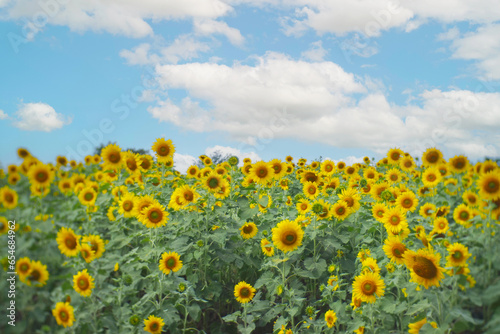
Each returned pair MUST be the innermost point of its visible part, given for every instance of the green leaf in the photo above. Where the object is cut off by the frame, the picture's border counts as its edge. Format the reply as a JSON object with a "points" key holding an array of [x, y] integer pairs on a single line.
{"points": [[418, 307]]}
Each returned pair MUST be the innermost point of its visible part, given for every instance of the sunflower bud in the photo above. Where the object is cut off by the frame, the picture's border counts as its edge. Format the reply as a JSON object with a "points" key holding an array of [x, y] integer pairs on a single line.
{"points": [[317, 208], [200, 243], [134, 320], [233, 160]]}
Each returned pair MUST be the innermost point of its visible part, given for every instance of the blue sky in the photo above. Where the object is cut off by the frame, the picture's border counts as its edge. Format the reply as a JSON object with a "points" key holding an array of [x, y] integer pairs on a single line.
{"points": [[263, 79]]}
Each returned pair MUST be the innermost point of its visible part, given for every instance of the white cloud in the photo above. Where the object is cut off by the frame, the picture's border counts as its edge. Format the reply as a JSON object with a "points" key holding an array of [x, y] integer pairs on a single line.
{"points": [[39, 117], [350, 160], [449, 35], [123, 17], [482, 45], [183, 161], [3, 115], [316, 52], [184, 47], [279, 97], [209, 27]]}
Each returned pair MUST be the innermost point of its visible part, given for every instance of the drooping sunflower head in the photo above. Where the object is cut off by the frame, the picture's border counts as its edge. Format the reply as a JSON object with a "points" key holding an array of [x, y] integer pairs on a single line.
{"points": [[68, 241], [170, 261], [287, 235], [23, 153], [244, 292], [83, 283], [424, 267], [267, 247], [248, 230], [87, 252], [394, 249]]}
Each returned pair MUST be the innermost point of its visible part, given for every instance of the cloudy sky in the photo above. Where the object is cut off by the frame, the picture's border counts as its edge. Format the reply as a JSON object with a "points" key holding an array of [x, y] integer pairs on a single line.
{"points": [[263, 78]]}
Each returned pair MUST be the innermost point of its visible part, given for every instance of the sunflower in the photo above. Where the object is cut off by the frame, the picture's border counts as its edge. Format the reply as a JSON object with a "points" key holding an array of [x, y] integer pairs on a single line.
{"points": [[394, 155], [143, 202], [112, 157], [431, 157], [407, 201], [38, 273], [278, 167], [368, 285], [224, 190], [427, 210], [287, 235], [266, 247], [96, 244], [393, 175], [378, 189], [371, 265], [153, 325], [352, 198], [154, 216], [164, 149], [395, 220], [394, 249], [41, 175], [470, 198], [340, 210], [63, 312], [322, 209], [489, 185], [441, 225], [87, 252], [8, 197], [65, 186], [330, 318], [87, 196], [328, 167], [462, 215], [170, 261], [67, 241], [261, 172], [310, 190], [248, 230], [23, 268], [458, 164], [407, 164], [424, 267], [83, 283], [127, 205], [212, 182], [244, 292], [431, 177], [414, 328], [23, 153], [457, 255], [379, 210], [131, 161]]}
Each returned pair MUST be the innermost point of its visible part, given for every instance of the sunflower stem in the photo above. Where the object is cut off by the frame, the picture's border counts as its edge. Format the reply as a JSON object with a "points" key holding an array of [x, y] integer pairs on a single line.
{"points": [[245, 315]]}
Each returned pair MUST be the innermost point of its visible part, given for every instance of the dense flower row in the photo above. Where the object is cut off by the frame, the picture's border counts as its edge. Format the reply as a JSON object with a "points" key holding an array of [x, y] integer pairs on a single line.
{"points": [[353, 236]]}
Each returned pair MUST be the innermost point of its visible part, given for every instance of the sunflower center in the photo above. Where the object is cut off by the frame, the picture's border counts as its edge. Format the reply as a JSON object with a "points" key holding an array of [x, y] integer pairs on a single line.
{"points": [[432, 157], [188, 196], [114, 157], [213, 183], [349, 201], [9, 198], [247, 229], [493, 186], [311, 190], [442, 225], [131, 164], [464, 215], [24, 267], [369, 288], [328, 168], [380, 213], [42, 176], [262, 172], [63, 315], [395, 156], [127, 206], [145, 164], [395, 220], [425, 268], [457, 255], [88, 196], [394, 177], [245, 292], [163, 151], [170, 263], [407, 203], [277, 169], [83, 283], [154, 326], [340, 211], [70, 242], [431, 177], [289, 238], [155, 216], [35, 275], [398, 251], [459, 164]]}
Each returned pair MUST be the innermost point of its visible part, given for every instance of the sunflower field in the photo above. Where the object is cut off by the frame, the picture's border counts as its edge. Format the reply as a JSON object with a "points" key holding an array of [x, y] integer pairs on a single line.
{"points": [[124, 243]]}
